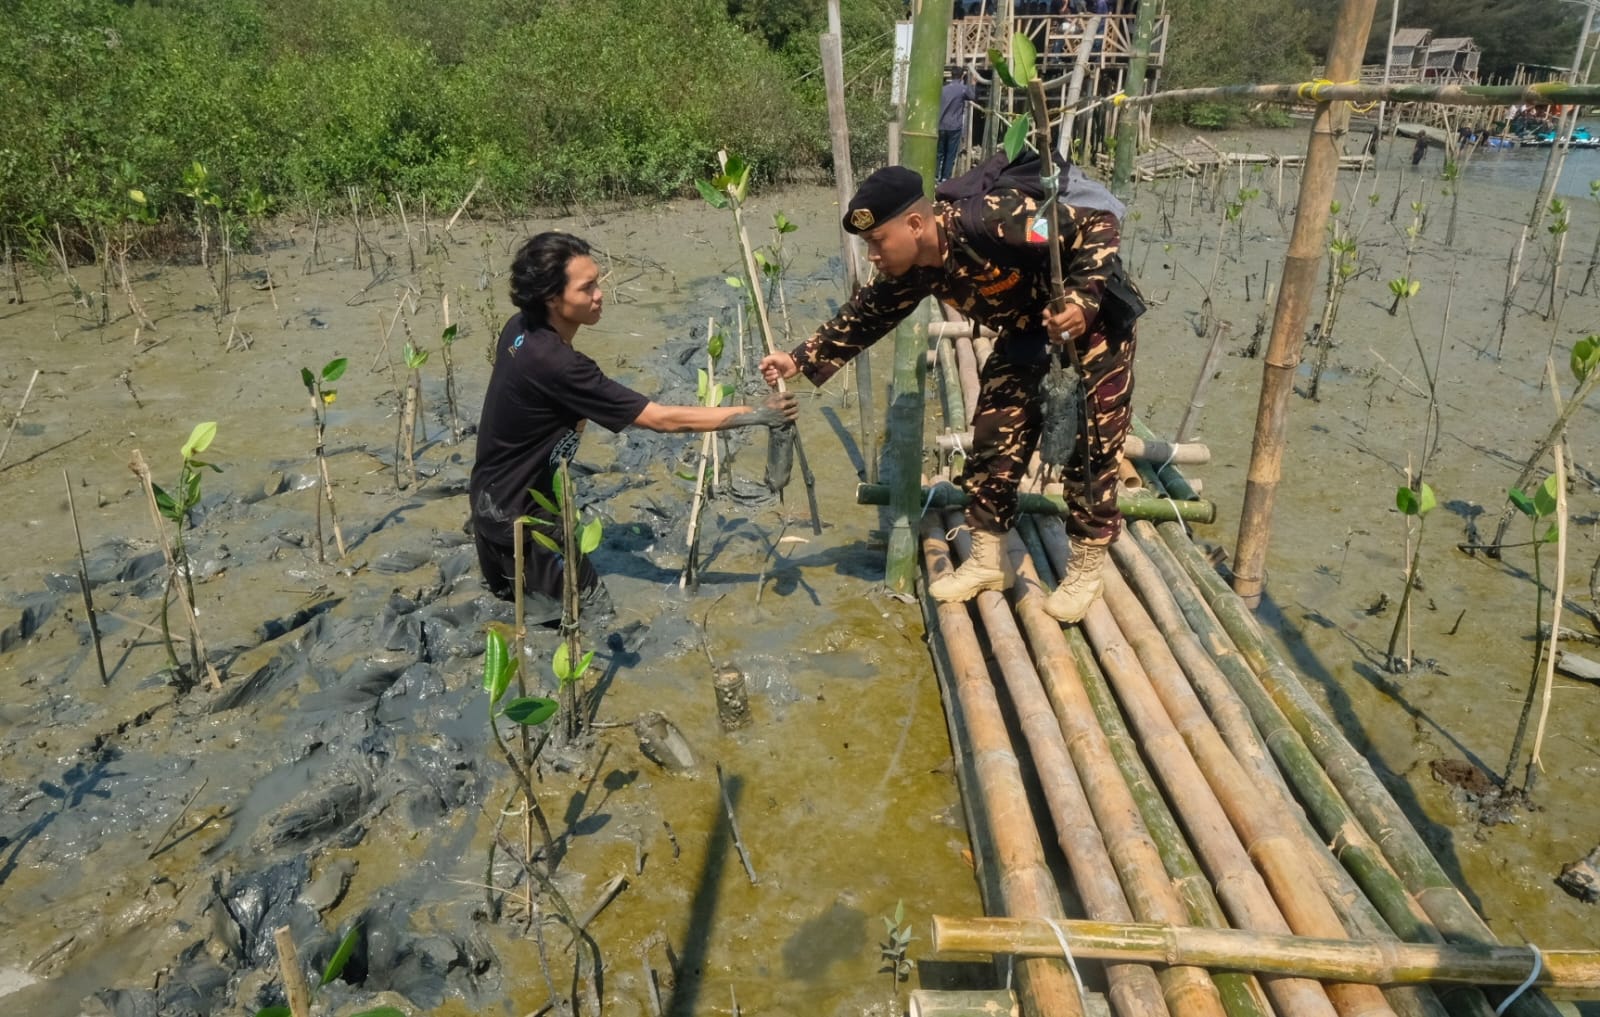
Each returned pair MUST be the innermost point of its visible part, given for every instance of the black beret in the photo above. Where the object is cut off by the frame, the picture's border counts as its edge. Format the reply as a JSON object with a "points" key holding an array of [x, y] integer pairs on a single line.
{"points": [[881, 197]]}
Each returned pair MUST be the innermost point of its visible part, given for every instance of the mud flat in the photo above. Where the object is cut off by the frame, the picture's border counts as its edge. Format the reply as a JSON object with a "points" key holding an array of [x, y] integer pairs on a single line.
{"points": [[154, 837]]}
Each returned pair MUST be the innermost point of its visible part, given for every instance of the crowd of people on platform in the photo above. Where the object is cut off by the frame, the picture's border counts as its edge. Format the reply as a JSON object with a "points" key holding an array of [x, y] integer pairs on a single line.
{"points": [[1034, 8]]}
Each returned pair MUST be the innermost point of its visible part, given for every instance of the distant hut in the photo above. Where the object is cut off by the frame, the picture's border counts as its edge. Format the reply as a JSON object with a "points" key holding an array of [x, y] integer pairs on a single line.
{"points": [[1452, 61], [1409, 53]]}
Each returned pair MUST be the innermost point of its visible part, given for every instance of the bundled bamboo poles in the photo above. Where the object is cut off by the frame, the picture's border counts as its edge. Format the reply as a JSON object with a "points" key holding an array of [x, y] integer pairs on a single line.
{"points": [[1133, 989], [1369, 801], [1133, 504], [1375, 963], [1026, 888]]}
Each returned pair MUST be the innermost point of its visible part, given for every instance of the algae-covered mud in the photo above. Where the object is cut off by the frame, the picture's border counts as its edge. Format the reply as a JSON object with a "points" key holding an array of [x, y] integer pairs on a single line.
{"points": [[152, 837]]}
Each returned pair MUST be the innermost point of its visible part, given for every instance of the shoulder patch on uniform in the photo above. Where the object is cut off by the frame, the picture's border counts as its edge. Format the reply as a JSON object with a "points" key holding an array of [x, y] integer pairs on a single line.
{"points": [[1038, 230]]}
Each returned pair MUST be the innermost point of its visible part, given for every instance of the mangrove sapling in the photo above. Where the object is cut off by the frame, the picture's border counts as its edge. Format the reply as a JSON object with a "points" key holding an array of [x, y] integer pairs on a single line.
{"points": [[709, 393], [576, 541], [1594, 252], [1584, 361], [411, 411], [1399, 286], [447, 340], [892, 951], [1538, 507], [301, 995], [1560, 222], [175, 508], [196, 188], [1452, 188], [529, 712], [321, 399], [1341, 267], [1414, 503]]}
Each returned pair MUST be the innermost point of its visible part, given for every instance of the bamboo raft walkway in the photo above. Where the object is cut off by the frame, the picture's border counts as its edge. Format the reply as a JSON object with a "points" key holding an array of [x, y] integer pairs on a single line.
{"points": [[1199, 157], [1159, 774]]}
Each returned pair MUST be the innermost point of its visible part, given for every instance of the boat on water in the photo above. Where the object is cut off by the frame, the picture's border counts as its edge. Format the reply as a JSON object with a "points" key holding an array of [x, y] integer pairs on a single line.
{"points": [[1581, 138]]}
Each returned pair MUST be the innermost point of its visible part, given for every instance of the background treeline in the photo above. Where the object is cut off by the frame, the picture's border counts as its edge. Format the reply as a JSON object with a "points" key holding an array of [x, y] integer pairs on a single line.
{"points": [[289, 102]]}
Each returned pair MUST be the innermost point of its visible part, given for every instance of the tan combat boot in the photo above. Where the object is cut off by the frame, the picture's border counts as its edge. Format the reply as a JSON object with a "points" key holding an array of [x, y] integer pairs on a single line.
{"points": [[1082, 585], [987, 568]]}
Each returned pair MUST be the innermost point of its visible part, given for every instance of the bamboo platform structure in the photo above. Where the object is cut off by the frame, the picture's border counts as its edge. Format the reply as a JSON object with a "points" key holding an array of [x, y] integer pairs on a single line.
{"points": [[1199, 157], [1160, 813]]}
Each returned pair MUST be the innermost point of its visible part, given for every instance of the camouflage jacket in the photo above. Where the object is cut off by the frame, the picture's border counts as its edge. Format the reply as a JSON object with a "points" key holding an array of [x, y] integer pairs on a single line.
{"points": [[1009, 298]]}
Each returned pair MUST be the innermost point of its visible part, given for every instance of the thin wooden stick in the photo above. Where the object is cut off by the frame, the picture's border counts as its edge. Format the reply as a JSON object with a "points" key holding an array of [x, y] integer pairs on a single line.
{"points": [[733, 825], [1208, 367], [464, 202], [83, 582], [142, 469], [177, 819], [294, 979], [20, 407], [1534, 762], [608, 893]]}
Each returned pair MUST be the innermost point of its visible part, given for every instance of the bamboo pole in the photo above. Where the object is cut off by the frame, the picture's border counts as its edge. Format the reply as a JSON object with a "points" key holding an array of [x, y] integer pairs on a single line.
{"points": [[967, 368], [1151, 450], [950, 394], [1045, 987], [1133, 85], [1224, 683], [1132, 505], [1369, 800], [1266, 833], [1119, 839], [1241, 889], [294, 979], [1328, 959], [1132, 989], [83, 582], [1556, 594], [1294, 298], [18, 415], [1544, 93]]}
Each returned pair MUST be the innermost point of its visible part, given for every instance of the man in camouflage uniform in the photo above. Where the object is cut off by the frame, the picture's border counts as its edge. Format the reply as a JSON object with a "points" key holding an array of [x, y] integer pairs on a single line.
{"points": [[923, 248]]}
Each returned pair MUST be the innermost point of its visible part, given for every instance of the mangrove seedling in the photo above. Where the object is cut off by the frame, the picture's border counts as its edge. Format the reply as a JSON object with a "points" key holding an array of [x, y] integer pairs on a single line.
{"points": [[1560, 222], [1537, 507], [710, 393], [294, 981], [1594, 253], [411, 411], [446, 340], [576, 541], [1342, 262], [1414, 503], [196, 187], [499, 667], [321, 398], [892, 951], [175, 507]]}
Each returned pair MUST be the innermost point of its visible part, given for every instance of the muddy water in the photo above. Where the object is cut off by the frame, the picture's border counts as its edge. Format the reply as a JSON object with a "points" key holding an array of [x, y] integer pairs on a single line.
{"points": [[344, 772]]}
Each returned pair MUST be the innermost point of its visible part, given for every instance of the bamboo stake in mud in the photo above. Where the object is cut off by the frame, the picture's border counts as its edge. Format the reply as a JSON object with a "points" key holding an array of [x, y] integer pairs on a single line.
{"points": [[142, 470], [1328, 959], [294, 979], [83, 583], [733, 828], [1208, 368], [18, 415], [1294, 296]]}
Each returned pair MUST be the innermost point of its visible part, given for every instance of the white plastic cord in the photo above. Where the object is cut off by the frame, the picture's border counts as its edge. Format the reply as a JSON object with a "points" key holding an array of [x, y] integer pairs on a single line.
{"points": [[1066, 951], [1533, 976]]}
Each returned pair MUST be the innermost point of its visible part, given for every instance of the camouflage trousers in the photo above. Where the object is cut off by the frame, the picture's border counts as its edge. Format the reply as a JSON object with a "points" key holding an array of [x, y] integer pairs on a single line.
{"points": [[1006, 426]]}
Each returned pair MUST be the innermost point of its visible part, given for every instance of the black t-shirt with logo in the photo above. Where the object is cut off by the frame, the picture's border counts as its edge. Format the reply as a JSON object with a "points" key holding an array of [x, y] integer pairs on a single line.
{"points": [[540, 392]]}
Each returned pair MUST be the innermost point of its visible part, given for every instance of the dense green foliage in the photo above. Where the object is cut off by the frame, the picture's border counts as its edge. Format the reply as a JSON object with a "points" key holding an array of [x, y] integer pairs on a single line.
{"points": [[297, 99], [288, 102]]}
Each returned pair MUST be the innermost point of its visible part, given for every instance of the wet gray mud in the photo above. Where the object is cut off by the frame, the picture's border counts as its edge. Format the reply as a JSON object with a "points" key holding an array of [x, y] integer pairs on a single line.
{"points": [[151, 837]]}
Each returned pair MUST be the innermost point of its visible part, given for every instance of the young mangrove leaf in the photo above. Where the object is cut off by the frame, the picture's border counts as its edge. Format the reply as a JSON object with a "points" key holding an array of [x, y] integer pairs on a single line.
{"points": [[558, 488], [781, 223], [702, 382], [164, 503], [561, 663], [1024, 59], [415, 358], [1523, 503], [449, 335], [199, 439], [333, 370], [498, 665], [589, 536], [545, 541], [1017, 136], [1413, 503], [1585, 356], [734, 281], [308, 379], [341, 956], [714, 197], [998, 61], [714, 346], [543, 501], [583, 664], [531, 710], [1544, 497]]}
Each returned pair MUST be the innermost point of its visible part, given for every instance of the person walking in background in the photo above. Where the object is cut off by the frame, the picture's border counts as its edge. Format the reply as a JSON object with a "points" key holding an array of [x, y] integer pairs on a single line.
{"points": [[953, 99], [542, 392]]}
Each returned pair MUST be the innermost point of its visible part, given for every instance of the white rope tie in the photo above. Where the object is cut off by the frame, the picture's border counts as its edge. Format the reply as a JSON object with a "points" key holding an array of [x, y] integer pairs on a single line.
{"points": [[1533, 976], [1172, 453], [1066, 951]]}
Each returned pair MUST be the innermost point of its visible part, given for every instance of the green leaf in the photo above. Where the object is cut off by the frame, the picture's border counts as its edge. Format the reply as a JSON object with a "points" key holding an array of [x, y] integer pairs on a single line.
{"points": [[449, 335], [498, 665], [531, 710], [1024, 58], [1585, 356], [543, 500], [583, 665], [899, 912], [333, 370], [997, 60], [702, 381], [341, 956], [308, 379], [415, 358], [723, 392], [781, 223], [561, 662], [685, 475], [1017, 136], [734, 281], [200, 438], [714, 346], [165, 505], [589, 536], [1414, 504], [274, 1011], [1523, 503], [545, 541], [1551, 535], [1544, 496], [714, 197], [558, 486]]}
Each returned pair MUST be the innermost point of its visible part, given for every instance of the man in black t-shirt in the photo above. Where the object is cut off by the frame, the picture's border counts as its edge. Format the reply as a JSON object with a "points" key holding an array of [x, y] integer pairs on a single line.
{"points": [[541, 392]]}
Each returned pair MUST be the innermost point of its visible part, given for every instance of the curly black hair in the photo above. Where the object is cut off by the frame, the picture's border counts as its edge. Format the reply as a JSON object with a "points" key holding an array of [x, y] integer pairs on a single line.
{"points": [[539, 272]]}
